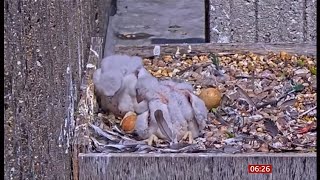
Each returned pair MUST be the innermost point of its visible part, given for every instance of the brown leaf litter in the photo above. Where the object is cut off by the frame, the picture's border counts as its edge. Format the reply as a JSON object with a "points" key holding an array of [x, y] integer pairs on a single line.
{"points": [[268, 104]]}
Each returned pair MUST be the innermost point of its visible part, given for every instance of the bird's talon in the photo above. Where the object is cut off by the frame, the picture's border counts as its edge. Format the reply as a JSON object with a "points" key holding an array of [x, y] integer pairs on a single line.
{"points": [[188, 136], [151, 139]]}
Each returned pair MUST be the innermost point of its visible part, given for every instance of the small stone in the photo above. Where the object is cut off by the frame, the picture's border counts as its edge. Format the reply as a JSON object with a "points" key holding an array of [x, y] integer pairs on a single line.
{"points": [[39, 64], [199, 70], [189, 61], [301, 72], [184, 56], [283, 55], [147, 61], [155, 69], [305, 84], [223, 129], [164, 72], [167, 58], [158, 73], [245, 129], [161, 63], [254, 57], [259, 129], [277, 145], [217, 145], [195, 58], [299, 148], [208, 134], [195, 75], [264, 148], [211, 139], [261, 58], [247, 146], [215, 122], [175, 71], [203, 58]]}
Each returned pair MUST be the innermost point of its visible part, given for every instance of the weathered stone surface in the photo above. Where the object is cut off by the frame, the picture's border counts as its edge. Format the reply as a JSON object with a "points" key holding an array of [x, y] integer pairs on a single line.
{"points": [[243, 21], [309, 49], [280, 21], [262, 21], [46, 44], [220, 23], [311, 20], [139, 21], [195, 166]]}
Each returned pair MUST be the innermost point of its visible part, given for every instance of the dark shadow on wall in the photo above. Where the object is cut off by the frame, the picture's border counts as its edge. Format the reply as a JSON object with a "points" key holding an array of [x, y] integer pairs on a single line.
{"points": [[207, 20]]}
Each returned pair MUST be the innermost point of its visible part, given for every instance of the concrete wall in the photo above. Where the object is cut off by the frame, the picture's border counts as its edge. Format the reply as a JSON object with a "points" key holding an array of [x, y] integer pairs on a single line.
{"points": [[196, 166], [262, 21], [46, 44]]}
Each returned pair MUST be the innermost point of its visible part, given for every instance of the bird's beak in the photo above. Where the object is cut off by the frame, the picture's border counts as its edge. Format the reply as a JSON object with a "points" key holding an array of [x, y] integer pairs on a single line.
{"points": [[139, 98]]}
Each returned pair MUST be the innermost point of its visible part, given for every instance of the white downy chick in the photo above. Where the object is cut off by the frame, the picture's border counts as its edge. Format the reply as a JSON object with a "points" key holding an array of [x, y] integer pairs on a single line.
{"points": [[107, 103], [123, 63], [109, 78], [146, 85], [107, 83], [177, 85], [149, 90], [143, 128], [177, 111], [126, 96], [200, 111], [193, 109], [161, 123], [115, 83]]}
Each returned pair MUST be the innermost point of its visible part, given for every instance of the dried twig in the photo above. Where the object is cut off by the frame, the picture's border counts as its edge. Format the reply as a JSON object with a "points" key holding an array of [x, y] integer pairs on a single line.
{"points": [[307, 111], [195, 66], [245, 95]]}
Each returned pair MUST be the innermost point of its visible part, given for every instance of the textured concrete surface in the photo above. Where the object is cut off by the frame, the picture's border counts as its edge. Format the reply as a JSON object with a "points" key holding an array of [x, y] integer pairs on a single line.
{"points": [[196, 166], [46, 45], [243, 21], [309, 49], [262, 21], [220, 29], [142, 22], [280, 21], [311, 20]]}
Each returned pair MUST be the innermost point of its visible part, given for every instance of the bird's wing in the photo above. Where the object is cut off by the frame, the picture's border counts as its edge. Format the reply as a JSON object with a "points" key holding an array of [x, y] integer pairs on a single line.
{"points": [[159, 114], [163, 125], [199, 109]]}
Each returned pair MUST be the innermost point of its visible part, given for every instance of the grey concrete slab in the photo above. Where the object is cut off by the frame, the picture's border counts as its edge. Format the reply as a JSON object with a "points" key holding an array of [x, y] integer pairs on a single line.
{"points": [[243, 21], [307, 49], [137, 22], [45, 51], [211, 166], [311, 20], [280, 21], [220, 31]]}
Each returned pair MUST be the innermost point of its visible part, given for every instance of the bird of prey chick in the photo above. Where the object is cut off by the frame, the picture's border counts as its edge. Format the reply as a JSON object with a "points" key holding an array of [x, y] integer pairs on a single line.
{"points": [[165, 109], [115, 83]]}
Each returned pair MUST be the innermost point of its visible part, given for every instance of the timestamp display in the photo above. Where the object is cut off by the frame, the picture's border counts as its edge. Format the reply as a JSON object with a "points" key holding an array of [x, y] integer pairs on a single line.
{"points": [[260, 168]]}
